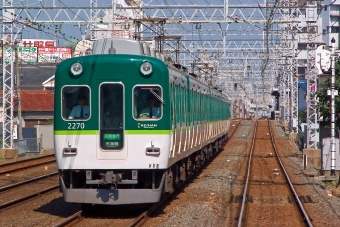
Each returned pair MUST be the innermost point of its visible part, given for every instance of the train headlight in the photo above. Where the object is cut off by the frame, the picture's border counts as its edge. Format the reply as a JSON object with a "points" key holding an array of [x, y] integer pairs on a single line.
{"points": [[76, 69], [146, 68]]}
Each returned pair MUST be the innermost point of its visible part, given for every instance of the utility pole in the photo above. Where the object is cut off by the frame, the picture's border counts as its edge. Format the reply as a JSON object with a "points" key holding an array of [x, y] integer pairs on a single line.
{"points": [[332, 92], [18, 90]]}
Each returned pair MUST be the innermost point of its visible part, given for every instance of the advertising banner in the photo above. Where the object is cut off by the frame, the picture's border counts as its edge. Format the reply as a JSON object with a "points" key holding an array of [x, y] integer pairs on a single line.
{"points": [[42, 50], [28, 54], [15, 132], [52, 54], [37, 43]]}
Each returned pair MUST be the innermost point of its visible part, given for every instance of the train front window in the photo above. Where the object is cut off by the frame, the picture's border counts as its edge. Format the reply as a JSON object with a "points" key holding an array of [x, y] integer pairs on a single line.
{"points": [[147, 102], [111, 116], [76, 103]]}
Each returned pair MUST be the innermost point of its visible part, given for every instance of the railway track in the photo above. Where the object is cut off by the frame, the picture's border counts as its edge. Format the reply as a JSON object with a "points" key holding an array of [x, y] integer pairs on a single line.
{"points": [[269, 195], [23, 180], [14, 194], [140, 219], [25, 164]]}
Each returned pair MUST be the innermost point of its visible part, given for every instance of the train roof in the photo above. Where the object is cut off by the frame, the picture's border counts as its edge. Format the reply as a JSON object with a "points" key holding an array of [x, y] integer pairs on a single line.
{"points": [[136, 47], [118, 46], [214, 91]]}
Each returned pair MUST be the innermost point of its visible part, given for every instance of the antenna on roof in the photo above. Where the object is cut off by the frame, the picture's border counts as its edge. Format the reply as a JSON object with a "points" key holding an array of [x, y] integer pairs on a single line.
{"points": [[112, 50]]}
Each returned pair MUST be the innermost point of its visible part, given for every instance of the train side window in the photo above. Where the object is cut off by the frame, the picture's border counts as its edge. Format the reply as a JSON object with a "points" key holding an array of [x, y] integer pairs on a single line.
{"points": [[76, 103], [147, 102]]}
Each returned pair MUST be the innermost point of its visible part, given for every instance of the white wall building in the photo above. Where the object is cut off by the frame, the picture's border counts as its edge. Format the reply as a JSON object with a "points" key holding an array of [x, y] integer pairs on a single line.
{"points": [[319, 24]]}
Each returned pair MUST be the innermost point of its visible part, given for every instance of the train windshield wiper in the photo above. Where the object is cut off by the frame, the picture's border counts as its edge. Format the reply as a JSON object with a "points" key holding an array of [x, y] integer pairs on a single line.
{"points": [[157, 96]]}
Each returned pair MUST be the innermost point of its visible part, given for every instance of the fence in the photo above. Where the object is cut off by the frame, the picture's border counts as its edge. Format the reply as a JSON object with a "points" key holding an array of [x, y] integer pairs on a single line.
{"points": [[28, 145]]}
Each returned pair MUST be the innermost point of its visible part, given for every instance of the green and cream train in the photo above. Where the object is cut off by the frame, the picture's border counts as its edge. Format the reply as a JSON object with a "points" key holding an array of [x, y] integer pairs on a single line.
{"points": [[129, 126]]}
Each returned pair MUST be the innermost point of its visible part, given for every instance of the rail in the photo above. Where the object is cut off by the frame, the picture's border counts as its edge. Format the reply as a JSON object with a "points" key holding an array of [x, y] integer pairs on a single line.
{"points": [[244, 196]]}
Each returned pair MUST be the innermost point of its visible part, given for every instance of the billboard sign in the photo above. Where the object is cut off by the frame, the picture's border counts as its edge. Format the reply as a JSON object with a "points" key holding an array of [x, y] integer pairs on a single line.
{"points": [[15, 132], [28, 54], [37, 43], [51, 54], [34, 51]]}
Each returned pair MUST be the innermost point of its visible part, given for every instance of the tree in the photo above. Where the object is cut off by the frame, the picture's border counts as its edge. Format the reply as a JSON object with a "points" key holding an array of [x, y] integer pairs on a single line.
{"points": [[302, 116], [71, 43]]}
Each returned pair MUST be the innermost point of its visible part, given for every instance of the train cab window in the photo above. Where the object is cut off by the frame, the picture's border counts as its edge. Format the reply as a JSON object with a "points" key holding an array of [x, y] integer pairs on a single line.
{"points": [[111, 116], [76, 103], [147, 102]]}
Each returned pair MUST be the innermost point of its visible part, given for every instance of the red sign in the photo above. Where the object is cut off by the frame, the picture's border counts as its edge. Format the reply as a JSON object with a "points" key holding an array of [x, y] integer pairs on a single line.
{"points": [[49, 44], [38, 43], [27, 43], [53, 50], [52, 54], [312, 87]]}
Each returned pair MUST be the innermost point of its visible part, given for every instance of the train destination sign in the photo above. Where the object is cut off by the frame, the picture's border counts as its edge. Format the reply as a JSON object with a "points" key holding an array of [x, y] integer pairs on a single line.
{"points": [[115, 137]]}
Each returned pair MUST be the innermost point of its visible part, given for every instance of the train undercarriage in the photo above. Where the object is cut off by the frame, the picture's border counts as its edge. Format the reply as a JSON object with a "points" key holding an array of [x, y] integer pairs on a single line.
{"points": [[115, 187]]}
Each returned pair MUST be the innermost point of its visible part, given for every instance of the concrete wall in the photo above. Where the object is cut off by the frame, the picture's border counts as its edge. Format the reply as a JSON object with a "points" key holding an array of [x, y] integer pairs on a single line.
{"points": [[313, 157], [326, 154], [45, 133]]}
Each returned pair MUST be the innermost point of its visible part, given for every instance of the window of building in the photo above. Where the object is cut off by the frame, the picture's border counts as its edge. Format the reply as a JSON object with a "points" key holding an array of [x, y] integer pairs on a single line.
{"points": [[302, 61], [147, 102], [303, 30], [302, 70], [76, 103], [335, 29], [302, 46]]}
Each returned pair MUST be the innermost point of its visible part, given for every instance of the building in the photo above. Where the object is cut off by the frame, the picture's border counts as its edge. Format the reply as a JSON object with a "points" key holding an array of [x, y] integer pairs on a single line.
{"points": [[37, 107], [36, 92]]}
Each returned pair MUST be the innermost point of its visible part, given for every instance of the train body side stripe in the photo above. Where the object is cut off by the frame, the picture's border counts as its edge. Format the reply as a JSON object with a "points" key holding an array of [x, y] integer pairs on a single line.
{"points": [[95, 132], [147, 132], [75, 132]]}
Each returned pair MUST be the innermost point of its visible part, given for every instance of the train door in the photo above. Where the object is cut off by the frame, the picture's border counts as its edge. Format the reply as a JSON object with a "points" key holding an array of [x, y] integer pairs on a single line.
{"points": [[111, 122], [177, 104], [196, 114], [173, 120], [184, 120], [179, 123], [191, 120]]}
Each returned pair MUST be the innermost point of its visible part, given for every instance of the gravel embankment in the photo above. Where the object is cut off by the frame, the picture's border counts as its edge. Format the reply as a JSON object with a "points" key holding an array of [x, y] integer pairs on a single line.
{"points": [[210, 199]]}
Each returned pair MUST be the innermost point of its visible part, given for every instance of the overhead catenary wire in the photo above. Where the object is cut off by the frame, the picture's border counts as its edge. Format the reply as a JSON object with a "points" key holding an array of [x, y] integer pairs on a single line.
{"points": [[62, 36]]}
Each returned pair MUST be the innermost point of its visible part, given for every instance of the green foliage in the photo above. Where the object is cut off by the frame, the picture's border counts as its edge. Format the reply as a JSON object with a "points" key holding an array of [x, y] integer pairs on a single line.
{"points": [[301, 134], [49, 122], [324, 100], [328, 183], [71, 43], [302, 116]]}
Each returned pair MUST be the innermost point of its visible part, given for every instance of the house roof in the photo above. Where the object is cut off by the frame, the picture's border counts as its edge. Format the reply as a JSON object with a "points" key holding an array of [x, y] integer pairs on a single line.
{"points": [[33, 75], [35, 101]]}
